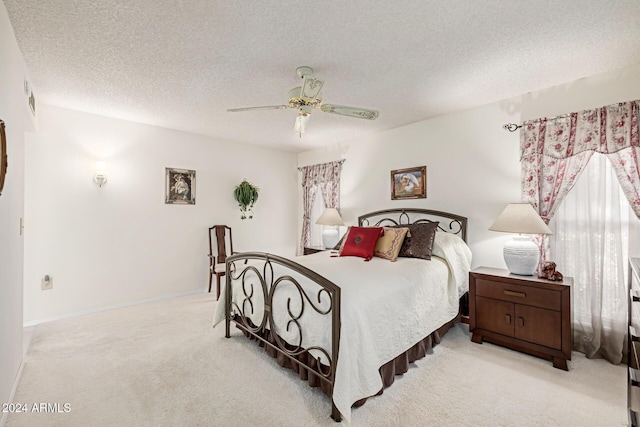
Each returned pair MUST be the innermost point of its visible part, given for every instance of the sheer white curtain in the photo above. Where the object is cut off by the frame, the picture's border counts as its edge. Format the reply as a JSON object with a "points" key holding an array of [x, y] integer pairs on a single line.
{"points": [[315, 230], [591, 244]]}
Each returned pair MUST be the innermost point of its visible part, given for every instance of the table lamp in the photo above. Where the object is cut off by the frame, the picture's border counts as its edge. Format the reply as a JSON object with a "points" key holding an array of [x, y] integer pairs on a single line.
{"points": [[521, 254], [331, 220]]}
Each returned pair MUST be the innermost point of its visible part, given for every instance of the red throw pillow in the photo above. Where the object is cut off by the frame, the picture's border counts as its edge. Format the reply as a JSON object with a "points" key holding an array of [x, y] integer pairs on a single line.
{"points": [[361, 241]]}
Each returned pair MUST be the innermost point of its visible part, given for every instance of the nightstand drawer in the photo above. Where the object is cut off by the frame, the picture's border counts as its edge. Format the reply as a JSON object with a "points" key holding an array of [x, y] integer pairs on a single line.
{"points": [[633, 357], [634, 315], [528, 295], [633, 389]]}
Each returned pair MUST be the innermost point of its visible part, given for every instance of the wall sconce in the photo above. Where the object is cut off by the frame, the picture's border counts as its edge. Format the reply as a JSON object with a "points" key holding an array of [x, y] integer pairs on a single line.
{"points": [[101, 175]]}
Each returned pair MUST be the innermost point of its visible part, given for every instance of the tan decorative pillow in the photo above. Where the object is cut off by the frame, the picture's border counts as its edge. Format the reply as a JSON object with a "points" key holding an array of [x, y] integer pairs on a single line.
{"points": [[389, 244]]}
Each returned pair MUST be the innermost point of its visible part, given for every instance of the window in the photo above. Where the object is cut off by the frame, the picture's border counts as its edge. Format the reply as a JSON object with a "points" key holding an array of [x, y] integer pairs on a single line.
{"points": [[591, 244]]}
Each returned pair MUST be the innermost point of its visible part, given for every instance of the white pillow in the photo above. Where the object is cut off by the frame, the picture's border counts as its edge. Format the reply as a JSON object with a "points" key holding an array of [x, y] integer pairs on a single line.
{"points": [[458, 255], [444, 242]]}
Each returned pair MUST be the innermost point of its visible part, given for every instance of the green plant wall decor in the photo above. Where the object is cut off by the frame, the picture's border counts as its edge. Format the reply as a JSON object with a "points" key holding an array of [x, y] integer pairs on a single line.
{"points": [[246, 194]]}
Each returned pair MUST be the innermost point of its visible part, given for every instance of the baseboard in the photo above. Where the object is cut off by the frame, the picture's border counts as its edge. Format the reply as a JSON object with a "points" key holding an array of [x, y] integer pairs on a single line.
{"points": [[5, 415], [110, 307]]}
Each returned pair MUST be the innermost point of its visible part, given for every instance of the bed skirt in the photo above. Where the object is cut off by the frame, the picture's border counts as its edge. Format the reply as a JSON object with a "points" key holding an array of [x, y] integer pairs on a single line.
{"points": [[388, 371]]}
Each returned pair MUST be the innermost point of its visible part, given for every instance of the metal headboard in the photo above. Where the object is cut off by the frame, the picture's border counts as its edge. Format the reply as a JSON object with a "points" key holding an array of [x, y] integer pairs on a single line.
{"points": [[448, 222]]}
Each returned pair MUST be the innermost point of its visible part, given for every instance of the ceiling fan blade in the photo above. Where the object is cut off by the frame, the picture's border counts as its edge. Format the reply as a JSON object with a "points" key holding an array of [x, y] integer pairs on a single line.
{"points": [[362, 113], [266, 107], [311, 88]]}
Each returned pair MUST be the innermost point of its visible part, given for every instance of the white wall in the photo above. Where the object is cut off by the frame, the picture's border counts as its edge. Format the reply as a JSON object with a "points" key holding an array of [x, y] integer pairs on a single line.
{"points": [[591, 92], [473, 165], [121, 243], [14, 112], [464, 173]]}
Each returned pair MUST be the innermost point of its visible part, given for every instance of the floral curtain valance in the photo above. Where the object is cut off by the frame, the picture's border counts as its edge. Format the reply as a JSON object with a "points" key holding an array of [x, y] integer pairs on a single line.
{"points": [[605, 130], [554, 151], [321, 173]]}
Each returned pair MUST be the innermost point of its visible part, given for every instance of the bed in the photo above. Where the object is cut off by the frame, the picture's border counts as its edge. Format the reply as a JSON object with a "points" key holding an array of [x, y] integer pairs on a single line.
{"points": [[345, 325]]}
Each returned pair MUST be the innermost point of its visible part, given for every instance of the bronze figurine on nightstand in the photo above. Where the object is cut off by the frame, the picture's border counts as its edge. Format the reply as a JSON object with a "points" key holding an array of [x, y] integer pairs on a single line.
{"points": [[548, 271]]}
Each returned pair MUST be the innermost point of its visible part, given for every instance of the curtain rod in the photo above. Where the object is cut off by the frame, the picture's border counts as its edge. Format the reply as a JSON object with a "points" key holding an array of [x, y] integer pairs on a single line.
{"points": [[341, 162], [512, 127]]}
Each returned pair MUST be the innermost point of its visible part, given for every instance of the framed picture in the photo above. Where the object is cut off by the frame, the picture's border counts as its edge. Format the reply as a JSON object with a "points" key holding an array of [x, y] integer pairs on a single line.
{"points": [[180, 186], [410, 183]]}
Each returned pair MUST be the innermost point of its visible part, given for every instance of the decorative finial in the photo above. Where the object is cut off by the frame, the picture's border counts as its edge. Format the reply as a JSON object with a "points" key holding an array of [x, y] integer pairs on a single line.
{"points": [[511, 127]]}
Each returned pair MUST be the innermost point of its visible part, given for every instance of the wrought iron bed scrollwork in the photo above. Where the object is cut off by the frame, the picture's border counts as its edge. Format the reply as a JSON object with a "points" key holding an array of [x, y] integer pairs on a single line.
{"points": [[256, 270], [237, 269], [456, 224]]}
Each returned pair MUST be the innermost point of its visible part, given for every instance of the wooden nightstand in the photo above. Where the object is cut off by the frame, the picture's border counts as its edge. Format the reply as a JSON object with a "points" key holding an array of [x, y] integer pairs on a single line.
{"points": [[523, 313], [308, 250]]}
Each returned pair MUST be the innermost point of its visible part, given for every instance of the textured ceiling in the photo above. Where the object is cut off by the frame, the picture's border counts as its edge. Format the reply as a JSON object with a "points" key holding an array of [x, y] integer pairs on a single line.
{"points": [[181, 63]]}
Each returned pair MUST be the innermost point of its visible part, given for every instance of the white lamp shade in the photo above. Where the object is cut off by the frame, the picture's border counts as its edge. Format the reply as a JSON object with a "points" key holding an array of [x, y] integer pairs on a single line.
{"points": [[330, 216], [521, 254], [520, 218]]}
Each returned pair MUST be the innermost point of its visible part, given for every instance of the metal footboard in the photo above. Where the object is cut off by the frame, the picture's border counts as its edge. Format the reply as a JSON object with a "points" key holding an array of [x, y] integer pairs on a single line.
{"points": [[255, 281]]}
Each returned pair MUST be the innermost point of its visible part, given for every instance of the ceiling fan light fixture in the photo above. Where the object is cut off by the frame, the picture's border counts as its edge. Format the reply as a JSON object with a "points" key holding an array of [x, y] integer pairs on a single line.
{"points": [[307, 97], [294, 97], [297, 101], [301, 123]]}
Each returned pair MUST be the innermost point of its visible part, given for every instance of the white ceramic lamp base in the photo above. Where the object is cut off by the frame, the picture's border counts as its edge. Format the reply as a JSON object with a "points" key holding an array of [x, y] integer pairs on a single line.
{"points": [[330, 236], [521, 255]]}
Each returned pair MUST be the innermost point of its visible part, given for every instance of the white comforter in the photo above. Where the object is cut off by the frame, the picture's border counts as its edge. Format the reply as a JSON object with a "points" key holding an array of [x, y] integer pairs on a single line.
{"points": [[387, 307]]}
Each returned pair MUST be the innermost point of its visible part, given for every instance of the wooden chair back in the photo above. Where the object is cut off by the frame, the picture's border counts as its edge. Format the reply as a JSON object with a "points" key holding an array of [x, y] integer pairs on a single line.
{"points": [[221, 238]]}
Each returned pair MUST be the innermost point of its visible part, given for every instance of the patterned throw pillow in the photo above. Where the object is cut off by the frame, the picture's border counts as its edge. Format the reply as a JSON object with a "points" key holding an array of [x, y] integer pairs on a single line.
{"points": [[389, 244], [361, 241], [420, 244]]}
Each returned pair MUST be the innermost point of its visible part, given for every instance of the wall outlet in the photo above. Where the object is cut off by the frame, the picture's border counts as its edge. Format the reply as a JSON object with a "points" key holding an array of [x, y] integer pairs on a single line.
{"points": [[46, 283]]}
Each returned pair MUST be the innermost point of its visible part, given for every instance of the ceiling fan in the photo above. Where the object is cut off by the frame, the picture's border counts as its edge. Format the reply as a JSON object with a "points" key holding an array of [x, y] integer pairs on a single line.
{"points": [[306, 97]]}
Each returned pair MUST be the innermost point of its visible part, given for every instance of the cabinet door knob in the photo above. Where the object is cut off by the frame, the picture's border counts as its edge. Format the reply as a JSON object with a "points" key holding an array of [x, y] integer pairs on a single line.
{"points": [[521, 322], [507, 318]]}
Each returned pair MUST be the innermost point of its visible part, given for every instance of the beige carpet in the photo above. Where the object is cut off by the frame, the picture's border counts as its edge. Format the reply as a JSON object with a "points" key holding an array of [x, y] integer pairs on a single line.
{"points": [[161, 364]]}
